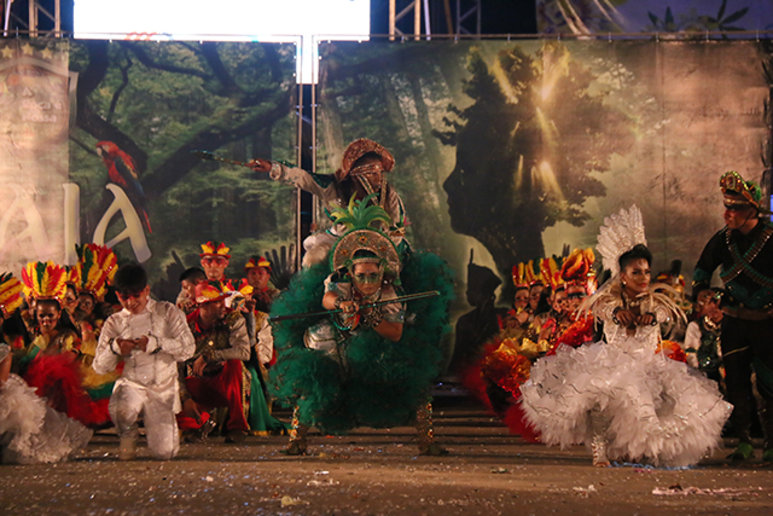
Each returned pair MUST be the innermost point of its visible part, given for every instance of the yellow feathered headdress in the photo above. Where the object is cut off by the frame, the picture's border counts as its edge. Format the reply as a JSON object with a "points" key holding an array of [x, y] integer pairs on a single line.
{"points": [[44, 280], [97, 265], [212, 248], [550, 272], [523, 275], [10, 293]]}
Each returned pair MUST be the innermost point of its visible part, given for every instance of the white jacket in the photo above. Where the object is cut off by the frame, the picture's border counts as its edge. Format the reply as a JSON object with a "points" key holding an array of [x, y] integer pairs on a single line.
{"points": [[169, 341]]}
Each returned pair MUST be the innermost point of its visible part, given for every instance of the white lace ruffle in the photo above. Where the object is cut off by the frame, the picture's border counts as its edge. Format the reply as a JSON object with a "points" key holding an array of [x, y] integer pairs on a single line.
{"points": [[33, 432], [654, 408]]}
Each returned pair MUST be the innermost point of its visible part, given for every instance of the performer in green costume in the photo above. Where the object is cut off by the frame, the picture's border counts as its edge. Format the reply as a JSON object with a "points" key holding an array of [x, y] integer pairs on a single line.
{"points": [[366, 365]]}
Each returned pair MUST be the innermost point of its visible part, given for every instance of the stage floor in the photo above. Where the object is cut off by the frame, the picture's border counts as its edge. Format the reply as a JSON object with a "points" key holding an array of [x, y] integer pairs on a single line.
{"points": [[371, 471]]}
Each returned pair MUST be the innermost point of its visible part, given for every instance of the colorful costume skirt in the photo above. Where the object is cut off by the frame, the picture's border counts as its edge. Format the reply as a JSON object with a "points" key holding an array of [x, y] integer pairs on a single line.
{"points": [[650, 408], [33, 432], [370, 380]]}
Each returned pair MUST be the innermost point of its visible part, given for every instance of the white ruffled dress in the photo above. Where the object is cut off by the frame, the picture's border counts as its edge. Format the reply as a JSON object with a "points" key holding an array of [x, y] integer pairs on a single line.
{"points": [[32, 432], [651, 408]]}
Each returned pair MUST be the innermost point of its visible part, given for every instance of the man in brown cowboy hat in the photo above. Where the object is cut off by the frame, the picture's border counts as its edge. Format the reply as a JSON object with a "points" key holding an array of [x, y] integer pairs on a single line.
{"points": [[743, 250]]}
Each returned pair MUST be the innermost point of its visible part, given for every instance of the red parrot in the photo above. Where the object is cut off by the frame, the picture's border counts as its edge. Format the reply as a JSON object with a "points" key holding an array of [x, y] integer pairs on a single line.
{"points": [[122, 171]]}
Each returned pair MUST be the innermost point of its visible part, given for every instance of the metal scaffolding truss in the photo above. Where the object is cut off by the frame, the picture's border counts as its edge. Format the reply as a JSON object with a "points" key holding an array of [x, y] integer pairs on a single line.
{"points": [[468, 16], [40, 18], [465, 19]]}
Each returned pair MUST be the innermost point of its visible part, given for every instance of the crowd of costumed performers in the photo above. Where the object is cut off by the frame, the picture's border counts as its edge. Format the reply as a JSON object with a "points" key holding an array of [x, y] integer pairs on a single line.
{"points": [[630, 368], [52, 323], [371, 358], [32, 431], [544, 316], [224, 383], [50, 396]]}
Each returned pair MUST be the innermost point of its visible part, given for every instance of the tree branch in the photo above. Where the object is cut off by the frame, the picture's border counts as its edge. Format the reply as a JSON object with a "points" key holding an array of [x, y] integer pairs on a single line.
{"points": [[219, 71], [119, 90], [145, 59], [179, 163]]}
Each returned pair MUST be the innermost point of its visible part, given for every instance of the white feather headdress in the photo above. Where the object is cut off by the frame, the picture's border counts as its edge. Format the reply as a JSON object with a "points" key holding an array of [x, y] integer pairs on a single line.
{"points": [[620, 233]]}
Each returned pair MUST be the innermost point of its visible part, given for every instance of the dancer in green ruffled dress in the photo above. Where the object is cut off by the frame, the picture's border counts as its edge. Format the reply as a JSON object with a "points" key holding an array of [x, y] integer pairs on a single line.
{"points": [[373, 361]]}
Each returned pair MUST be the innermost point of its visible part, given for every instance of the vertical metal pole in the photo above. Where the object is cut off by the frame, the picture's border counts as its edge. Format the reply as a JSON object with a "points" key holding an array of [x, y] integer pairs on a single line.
{"points": [[449, 19], [315, 199], [427, 18], [458, 15], [392, 20], [6, 17], [416, 19], [298, 156], [33, 18], [58, 18]]}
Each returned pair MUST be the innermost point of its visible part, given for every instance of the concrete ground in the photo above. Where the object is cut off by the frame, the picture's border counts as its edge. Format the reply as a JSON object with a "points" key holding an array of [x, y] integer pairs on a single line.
{"points": [[371, 471]]}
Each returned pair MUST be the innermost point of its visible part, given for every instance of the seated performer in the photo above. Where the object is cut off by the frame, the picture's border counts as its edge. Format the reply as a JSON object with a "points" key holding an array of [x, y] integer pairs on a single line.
{"points": [[517, 319], [536, 287], [364, 365], [12, 329], [362, 173], [257, 271], [621, 397], [150, 337], [186, 299], [214, 375]]}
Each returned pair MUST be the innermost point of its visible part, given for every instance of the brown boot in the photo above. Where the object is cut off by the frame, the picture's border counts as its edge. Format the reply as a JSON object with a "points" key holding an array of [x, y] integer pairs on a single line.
{"points": [[425, 432]]}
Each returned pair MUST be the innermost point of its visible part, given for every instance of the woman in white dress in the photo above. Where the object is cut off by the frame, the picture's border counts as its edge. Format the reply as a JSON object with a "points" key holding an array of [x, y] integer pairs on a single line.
{"points": [[621, 397], [31, 431]]}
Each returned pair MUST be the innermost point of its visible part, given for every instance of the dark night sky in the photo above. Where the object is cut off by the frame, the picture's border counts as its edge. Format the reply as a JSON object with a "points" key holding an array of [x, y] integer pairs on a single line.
{"points": [[499, 16]]}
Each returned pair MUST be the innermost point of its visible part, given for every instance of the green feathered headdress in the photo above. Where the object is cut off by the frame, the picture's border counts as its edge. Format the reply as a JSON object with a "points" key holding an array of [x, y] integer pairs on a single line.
{"points": [[361, 214], [360, 219]]}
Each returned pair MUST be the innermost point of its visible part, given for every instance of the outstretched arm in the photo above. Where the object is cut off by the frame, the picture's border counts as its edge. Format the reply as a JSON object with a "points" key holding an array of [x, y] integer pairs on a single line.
{"points": [[321, 185]]}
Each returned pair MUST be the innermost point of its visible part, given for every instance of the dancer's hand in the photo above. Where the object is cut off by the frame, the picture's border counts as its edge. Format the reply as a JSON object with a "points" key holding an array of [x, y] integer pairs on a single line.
{"points": [[349, 307], [198, 365], [646, 319], [259, 165], [125, 345], [624, 317], [141, 343]]}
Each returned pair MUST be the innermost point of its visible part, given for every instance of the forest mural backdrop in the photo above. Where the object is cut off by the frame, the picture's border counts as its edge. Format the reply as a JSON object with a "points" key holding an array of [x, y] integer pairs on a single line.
{"points": [[159, 103], [518, 149], [513, 149]]}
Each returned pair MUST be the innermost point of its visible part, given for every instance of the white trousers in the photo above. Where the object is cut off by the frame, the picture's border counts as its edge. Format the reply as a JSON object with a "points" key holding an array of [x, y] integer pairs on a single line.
{"points": [[158, 408]]}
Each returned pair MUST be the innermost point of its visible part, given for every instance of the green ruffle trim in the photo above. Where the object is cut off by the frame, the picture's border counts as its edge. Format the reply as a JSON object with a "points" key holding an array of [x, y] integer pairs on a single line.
{"points": [[384, 382]]}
